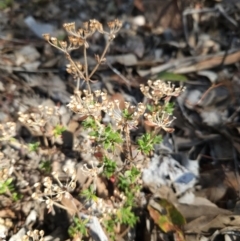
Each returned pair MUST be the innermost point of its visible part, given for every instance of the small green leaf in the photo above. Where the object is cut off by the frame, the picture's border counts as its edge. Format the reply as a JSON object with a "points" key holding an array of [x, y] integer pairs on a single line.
{"points": [[45, 166], [109, 167], [33, 146], [169, 108], [89, 194], [172, 76], [146, 142], [126, 216], [78, 227], [89, 122], [58, 130]]}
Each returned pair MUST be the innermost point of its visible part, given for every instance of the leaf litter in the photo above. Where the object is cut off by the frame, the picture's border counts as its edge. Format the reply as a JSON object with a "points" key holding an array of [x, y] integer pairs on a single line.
{"points": [[193, 175]]}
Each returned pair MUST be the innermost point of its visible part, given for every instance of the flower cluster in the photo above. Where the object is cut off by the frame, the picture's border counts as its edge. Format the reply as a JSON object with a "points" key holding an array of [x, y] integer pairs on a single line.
{"points": [[159, 89], [7, 130], [6, 167], [54, 193], [160, 120], [34, 235], [88, 29], [103, 209], [37, 122], [91, 104], [78, 38], [129, 116], [76, 69]]}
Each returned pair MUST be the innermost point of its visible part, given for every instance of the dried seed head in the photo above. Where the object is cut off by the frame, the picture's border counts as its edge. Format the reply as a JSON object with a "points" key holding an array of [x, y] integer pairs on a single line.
{"points": [[35, 196], [115, 25], [159, 89], [69, 27], [46, 36], [54, 40]]}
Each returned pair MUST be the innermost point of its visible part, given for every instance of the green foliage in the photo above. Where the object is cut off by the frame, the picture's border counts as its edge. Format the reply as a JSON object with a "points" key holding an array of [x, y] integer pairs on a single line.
{"points": [[126, 180], [58, 130], [151, 108], [132, 174], [16, 196], [126, 216], [169, 108], [89, 122], [123, 216], [123, 182], [126, 114], [147, 141], [7, 187], [45, 166], [109, 225], [5, 4], [109, 167], [89, 194], [172, 76], [33, 146], [78, 228], [108, 138]]}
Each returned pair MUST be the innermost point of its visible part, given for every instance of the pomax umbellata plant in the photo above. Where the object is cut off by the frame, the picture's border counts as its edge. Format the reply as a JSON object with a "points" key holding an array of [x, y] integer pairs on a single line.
{"points": [[120, 160]]}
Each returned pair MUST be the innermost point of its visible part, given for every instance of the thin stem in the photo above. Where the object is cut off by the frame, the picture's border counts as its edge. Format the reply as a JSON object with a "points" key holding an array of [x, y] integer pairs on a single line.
{"points": [[79, 72], [86, 68], [130, 155], [100, 60], [63, 207], [78, 84], [55, 46]]}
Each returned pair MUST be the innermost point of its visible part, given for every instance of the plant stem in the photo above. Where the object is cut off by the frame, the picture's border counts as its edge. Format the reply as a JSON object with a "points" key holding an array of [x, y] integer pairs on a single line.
{"points": [[80, 74], [128, 140], [87, 78], [101, 58]]}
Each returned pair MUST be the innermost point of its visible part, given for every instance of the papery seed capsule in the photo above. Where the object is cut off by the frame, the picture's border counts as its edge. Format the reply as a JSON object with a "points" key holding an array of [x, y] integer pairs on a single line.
{"points": [[46, 36], [34, 196], [37, 184]]}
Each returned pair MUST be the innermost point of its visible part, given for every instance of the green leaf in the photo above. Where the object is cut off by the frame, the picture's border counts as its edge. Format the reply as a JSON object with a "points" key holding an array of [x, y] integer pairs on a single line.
{"points": [[146, 142], [169, 108], [167, 217], [126, 216], [33, 146], [58, 130], [109, 167], [89, 122], [45, 166], [78, 227], [89, 193], [172, 76], [5, 3], [94, 133]]}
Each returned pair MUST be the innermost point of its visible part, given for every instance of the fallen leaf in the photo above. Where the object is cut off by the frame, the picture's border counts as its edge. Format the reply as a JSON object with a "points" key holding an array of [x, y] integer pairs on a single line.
{"points": [[167, 217]]}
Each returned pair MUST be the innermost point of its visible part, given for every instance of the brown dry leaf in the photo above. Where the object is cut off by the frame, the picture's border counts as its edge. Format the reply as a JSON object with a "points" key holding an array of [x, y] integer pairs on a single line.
{"points": [[7, 213], [190, 212], [165, 14], [194, 64], [120, 98], [72, 205], [205, 225], [139, 5], [102, 190], [125, 59], [81, 175], [211, 62]]}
